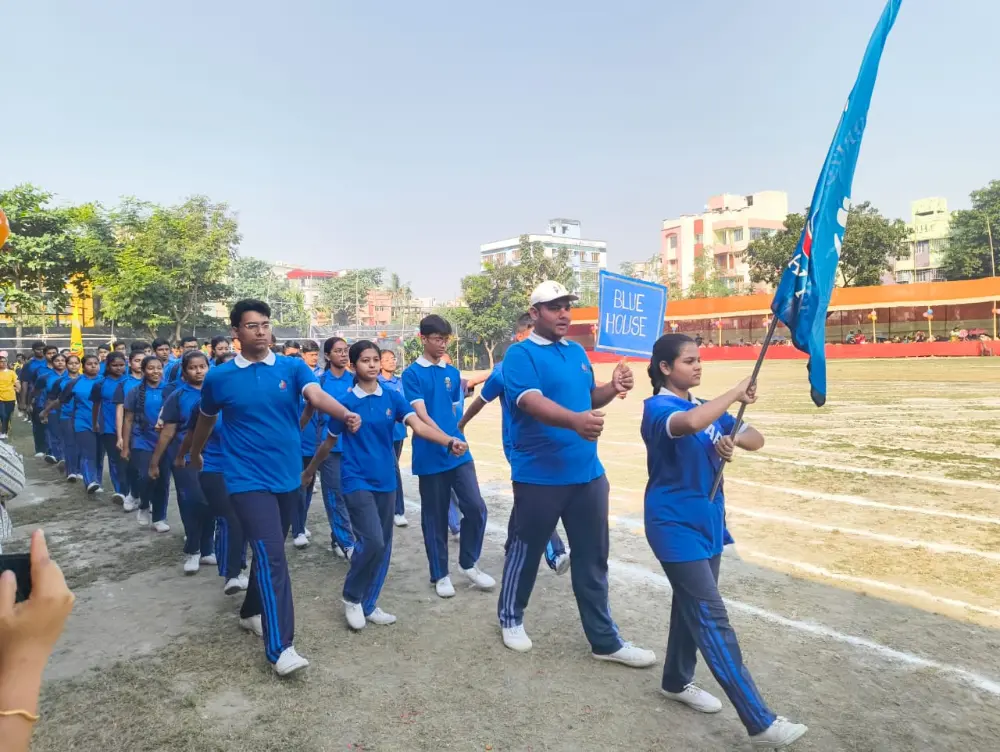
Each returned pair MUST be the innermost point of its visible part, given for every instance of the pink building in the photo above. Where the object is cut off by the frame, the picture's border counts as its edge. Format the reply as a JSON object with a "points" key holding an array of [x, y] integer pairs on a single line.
{"points": [[724, 230]]}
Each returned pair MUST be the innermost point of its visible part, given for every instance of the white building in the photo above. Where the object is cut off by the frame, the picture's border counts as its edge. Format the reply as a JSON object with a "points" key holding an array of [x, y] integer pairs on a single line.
{"points": [[587, 257]]}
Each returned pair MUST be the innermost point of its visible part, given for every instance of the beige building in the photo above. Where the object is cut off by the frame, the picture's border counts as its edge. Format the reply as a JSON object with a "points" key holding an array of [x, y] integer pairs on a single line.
{"points": [[722, 231], [930, 225]]}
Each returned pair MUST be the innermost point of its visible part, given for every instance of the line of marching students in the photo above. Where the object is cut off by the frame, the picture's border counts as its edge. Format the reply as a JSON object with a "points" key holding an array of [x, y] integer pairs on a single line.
{"points": [[244, 435]]}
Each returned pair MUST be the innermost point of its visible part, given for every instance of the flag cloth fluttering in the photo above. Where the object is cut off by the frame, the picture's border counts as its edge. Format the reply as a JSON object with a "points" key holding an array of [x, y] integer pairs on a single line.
{"points": [[802, 297]]}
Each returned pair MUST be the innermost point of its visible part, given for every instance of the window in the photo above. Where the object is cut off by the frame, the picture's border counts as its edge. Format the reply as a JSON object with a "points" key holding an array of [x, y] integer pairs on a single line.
{"points": [[738, 235], [595, 257], [720, 237], [672, 243], [564, 229], [699, 238], [904, 277]]}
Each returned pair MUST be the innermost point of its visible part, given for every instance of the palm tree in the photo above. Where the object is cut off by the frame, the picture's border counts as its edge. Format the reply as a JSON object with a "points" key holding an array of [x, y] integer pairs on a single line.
{"points": [[400, 294]]}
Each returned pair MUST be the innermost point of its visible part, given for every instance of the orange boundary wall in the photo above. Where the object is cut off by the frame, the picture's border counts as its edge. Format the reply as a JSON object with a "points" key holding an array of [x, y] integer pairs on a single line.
{"points": [[833, 352], [843, 299]]}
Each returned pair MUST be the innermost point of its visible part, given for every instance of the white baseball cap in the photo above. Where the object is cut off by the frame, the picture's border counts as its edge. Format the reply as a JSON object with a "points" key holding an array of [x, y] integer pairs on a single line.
{"points": [[549, 291]]}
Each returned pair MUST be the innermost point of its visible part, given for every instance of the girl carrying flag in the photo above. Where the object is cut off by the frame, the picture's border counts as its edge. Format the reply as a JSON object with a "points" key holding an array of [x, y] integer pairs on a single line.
{"points": [[142, 409], [368, 476], [76, 395], [183, 402], [63, 413], [103, 418], [45, 383], [687, 440]]}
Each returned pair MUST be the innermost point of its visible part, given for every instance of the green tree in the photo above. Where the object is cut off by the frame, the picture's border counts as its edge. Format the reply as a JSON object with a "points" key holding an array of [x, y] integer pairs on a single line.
{"points": [[706, 281], [42, 257], [871, 244], [768, 256], [167, 263], [341, 296], [588, 289], [973, 231], [534, 267], [400, 295], [494, 299], [252, 278], [627, 268]]}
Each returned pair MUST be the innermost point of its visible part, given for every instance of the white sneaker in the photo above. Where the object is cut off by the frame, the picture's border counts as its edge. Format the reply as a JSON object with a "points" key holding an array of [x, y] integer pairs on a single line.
{"points": [[289, 662], [380, 617], [117, 498], [308, 533], [444, 587], [516, 638], [233, 586], [50, 460], [300, 541], [39, 455], [696, 699], [480, 579], [191, 564], [209, 560], [779, 734], [355, 615], [349, 553], [252, 624], [399, 520], [629, 655], [562, 563], [130, 504], [94, 488], [338, 551], [71, 478], [3, 436], [161, 527], [144, 517], [244, 581]]}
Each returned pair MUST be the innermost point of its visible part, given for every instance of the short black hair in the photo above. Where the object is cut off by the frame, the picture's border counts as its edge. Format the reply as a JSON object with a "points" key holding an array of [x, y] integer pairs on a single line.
{"points": [[434, 324], [85, 358], [245, 306], [524, 321], [216, 340], [160, 342], [139, 345], [50, 347], [329, 344], [36, 344], [293, 343], [189, 338], [309, 345], [359, 347], [104, 346]]}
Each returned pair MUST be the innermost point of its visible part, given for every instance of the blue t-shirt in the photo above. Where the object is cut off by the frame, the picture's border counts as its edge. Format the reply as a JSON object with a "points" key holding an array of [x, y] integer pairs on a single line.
{"points": [[369, 460], [493, 388], [31, 370], [396, 384], [44, 379], [439, 388], [337, 387], [126, 385], [542, 454], [144, 433], [311, 433], [78, 393], [178, 407], [103, 392], [172, 372], [60, 390], [260, 405], [681, 523], [101, 367], [211, 455]]}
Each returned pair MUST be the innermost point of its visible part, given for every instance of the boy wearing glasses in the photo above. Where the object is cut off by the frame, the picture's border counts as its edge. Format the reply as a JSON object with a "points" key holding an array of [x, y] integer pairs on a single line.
{"points": [[433, 388]]}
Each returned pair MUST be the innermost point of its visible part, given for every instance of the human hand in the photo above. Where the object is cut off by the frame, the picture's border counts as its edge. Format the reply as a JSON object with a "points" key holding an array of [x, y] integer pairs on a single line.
{"points": [[307, 478], [353, 422], [29, 630], [179, 460], [589, 424], [725, 448], [119, 443], [154, 471], [196, 461], [159, 425], [458, 447], [745, 392], [623, 378]]}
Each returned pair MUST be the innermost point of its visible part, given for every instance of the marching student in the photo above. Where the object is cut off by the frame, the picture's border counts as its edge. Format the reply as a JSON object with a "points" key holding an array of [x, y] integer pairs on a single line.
{"points": [[257, 394], [336, 381], [9, 387], [64, 411], [493, 388], [47, 379], [142, 407], [102, 356], [219, 348], [120, 347], [389, 380], [174, 372], [311, 424], [76, 395], [103, 418], [369, 482], [163, 351], [131, 380], [434, 390], [555, 421], [687, 440], [34, 399], [230, 543], [196, 516], [310, 354], [139, 346]]}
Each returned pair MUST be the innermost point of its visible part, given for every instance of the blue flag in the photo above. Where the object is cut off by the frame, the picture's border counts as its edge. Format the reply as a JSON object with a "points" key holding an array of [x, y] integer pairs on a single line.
{"points": [[802, 297]]}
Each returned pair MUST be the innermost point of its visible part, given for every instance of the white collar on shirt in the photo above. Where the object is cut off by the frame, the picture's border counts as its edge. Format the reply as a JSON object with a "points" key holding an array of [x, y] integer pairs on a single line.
{"points": [[664, 391], [422, 361], [242, 362], [361, 393], [539, 340]]}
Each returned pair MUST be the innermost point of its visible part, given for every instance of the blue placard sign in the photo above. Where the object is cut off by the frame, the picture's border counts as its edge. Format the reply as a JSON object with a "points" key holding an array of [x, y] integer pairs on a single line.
{"points": [[630, 314]]}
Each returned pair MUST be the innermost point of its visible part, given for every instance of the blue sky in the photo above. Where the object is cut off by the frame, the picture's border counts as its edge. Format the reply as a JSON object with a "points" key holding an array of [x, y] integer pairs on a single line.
{"points": [[404, 134]]}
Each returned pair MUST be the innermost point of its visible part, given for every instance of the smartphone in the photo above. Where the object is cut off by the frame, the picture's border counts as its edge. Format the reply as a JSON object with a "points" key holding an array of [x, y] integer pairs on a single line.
{"points": [[20, 565]]}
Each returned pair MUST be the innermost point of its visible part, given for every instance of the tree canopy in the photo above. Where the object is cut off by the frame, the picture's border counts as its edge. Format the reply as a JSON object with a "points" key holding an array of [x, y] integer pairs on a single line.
{"points": [[251, 277], [341, 296], [972, 230]]}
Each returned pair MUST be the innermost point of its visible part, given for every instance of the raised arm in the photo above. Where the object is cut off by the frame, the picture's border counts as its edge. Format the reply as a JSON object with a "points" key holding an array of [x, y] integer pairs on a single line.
{"points": [[320, 400], [432, 433], [701, 417]]}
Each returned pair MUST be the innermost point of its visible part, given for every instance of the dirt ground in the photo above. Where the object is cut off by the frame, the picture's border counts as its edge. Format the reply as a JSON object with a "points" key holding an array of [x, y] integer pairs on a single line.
{"points": [[864, 586]]}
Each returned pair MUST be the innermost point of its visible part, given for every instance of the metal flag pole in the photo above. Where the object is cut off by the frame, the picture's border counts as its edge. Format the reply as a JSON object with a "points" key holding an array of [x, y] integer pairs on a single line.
{"points": [[739, 416]]}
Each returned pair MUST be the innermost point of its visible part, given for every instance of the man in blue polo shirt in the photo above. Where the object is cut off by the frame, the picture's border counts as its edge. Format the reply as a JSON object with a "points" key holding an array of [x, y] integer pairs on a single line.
{"points": [[555, 421], [434, 389], [257, 394]]}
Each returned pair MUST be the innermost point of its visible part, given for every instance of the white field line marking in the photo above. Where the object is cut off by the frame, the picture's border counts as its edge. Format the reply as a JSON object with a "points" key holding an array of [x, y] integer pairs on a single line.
{"points": [[846, 468], [640, 574], [821, 572]]}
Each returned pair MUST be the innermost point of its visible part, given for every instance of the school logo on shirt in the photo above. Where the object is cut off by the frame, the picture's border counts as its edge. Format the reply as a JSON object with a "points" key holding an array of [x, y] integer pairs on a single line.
{"points": [[583, 367], [282, 385], [447, 382], [388, 412]]}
